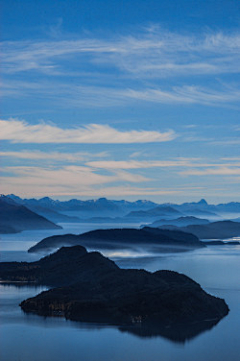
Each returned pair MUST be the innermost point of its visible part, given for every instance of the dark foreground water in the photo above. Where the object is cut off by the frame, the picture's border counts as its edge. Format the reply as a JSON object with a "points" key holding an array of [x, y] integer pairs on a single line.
{"points": [[33, 338]]}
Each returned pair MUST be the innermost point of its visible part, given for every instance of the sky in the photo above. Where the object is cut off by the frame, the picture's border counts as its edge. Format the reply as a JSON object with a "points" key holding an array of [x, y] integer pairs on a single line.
{"points": [[121, 99]]}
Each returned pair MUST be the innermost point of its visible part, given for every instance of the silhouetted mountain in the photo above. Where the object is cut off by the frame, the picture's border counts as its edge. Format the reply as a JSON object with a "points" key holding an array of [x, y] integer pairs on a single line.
{"points": [[123, 238], [196, 209], [215, 230], [160, 211], [232, 207], [99, 206], [17, 218], [44, 202], [43, 207], [201, 213], [54, 216], [179, 222], [202, 208], [202, 202], [104, 207], [137, 205], [90, 288]]}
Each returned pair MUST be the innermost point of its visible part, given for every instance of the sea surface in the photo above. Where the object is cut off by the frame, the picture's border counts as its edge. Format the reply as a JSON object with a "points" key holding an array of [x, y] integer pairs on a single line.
{"points": [[35, 338]]}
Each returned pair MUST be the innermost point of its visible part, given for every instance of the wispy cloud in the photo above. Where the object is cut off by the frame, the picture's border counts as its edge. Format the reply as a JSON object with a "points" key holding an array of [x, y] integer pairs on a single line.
{"points": [[19, 131], [53, 156], [90, 161], [132, 164], [174, 163], [106, 97], [80, 181], [56, 189], [141, 61], [76, 180], [223, 171], [157, 51], [115, 179], [68, 176], [67, 180], [186, 94]]}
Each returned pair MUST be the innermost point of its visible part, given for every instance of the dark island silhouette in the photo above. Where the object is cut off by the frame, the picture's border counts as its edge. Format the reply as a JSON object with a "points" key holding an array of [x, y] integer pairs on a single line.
{"points": [[161, 239], [88, 287], [214, 230], [179, 222]]}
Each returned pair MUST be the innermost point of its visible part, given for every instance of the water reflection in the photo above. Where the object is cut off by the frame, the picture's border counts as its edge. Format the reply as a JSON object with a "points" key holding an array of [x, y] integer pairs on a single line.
{"points": [[177, 333], [12, 294], [11, 314], [55, 339]]}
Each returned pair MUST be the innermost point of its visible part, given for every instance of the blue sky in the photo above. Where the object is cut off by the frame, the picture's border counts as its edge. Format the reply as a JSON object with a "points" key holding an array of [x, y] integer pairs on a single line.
{"points": [[122, 99]]}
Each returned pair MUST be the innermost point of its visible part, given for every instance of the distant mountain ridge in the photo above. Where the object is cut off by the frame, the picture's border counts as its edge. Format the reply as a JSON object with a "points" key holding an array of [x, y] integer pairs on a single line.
{"points": [[99, 207], [121, 211], [202, 205]]}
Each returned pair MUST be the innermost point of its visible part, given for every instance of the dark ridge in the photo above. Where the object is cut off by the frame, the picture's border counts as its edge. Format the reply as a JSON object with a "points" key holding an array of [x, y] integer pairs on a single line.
{"points": [[214, 230], [180, 222], [221, 243], [18, 218], [117, 238], [60, 268]]}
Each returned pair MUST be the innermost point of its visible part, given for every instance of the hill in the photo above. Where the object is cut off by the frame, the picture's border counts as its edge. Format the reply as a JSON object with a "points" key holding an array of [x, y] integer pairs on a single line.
{"points": [[179, 222], [123, 238], [16, 218], [214, 230]]}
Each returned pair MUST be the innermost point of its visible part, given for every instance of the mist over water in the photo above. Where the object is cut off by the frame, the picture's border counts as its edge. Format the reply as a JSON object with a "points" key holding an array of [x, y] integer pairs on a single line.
{"points": [[13, 247], [37, 338]]}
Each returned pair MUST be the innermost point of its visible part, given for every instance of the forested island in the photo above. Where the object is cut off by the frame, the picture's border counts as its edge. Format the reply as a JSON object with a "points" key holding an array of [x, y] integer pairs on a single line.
{"points": [[86, 286], [163, 239]]}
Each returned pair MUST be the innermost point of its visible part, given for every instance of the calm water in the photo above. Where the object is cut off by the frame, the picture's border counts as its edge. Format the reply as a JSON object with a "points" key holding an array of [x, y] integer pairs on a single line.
{"points": [[32, 338]]}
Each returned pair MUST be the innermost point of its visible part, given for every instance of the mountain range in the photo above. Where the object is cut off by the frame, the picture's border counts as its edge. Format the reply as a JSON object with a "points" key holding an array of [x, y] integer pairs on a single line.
{"points": [[114, 208], [100, 207], [120, 212]]}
